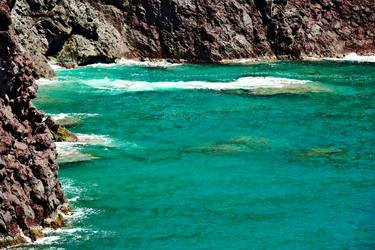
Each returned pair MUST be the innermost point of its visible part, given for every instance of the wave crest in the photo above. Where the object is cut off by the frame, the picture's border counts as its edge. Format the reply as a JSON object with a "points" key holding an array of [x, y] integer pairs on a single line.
{"points": [[250, 84], [148, 63], [69, 119], [46, 82], [69, 152], [351, 57]]}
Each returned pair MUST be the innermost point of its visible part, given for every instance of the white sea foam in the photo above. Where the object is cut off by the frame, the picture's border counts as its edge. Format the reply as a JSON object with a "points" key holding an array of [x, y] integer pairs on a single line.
{"points": [[159, 63], [54, 235], [81, 213], [70, 118], [60, 116], [69, 232], [351, 57], [247, 60], [238, 61], [103, 140], [46, 82], [74, 199], [49, 231], [55, 66], [357, 58], [245, 83], [69, 152], [46, 240], [99, 65], [70, 187], [72, 151], [65, 119]]}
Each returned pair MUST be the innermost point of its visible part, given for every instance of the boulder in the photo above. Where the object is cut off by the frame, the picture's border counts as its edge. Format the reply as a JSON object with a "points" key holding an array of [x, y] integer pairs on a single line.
{"points": [[59, 132]]}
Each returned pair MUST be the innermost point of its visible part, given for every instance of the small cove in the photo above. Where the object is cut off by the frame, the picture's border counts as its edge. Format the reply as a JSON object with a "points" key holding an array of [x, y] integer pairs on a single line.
{"points": [[272, 155]]}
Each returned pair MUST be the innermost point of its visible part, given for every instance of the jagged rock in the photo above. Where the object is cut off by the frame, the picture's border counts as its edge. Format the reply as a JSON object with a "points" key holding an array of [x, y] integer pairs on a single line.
{"points": [[84, 32], [55, 222], [35, 233], [59, 132], [71, 31], [29, 187]]}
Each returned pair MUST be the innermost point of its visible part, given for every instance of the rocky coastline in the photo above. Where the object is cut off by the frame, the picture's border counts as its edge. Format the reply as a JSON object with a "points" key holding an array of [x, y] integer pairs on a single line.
{"points": [[30, 192], [72, 32], [75, 33]]}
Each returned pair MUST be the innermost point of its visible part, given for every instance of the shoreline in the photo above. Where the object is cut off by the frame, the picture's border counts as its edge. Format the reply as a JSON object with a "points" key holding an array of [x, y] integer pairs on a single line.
{"points": [[23, 238], [168, 63]]}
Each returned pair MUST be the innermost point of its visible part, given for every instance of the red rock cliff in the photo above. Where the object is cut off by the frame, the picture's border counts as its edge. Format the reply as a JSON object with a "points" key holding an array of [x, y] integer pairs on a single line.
{"points": [[30, 192], [83, 32]]}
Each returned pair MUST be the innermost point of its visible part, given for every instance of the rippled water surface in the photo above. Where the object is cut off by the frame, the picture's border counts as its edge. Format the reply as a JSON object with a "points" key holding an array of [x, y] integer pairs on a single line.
{"points": [[263, 156]]}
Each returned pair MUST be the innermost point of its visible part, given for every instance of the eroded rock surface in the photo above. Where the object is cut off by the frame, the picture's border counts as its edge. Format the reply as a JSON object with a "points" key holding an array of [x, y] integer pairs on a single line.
{"points": [[84, 32], [30, 192]]}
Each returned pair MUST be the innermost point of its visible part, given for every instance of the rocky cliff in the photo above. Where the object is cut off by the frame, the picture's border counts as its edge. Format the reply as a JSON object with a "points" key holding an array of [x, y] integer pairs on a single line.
{"points": [[79, 32], [30, 193]]}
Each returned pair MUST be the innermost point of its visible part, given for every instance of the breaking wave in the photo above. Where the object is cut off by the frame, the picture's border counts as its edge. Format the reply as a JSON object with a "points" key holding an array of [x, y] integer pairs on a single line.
{"points": [[160, 63], [351, 57], [46, 82], [54, 237], [250, 84], [70, 118], [69, 152], [55, 66], [357, 58]]}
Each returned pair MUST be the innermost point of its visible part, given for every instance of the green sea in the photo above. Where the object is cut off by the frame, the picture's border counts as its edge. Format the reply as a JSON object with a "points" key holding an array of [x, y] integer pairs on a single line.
{"points": [[260, 156]]}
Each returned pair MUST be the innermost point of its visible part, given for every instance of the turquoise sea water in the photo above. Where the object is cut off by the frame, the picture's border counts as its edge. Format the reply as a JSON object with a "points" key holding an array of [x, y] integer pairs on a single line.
{"points": [[185, 160]]}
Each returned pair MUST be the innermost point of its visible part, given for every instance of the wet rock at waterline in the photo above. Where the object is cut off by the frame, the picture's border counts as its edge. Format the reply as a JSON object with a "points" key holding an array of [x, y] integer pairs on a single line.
{"points": [[59, 132]]}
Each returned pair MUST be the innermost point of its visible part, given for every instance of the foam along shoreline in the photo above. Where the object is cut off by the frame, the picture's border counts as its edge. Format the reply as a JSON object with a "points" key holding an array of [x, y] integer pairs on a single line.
{"points": [[52, 236], [68, 119], [69, 152], [46, 82], [351, 57], [55, 66], [247, 84], [246, 61], [165, 63], [147, 63]]}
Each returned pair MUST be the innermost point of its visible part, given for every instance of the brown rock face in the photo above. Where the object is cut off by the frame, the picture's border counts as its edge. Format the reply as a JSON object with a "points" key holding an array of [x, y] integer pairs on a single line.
{"points": [[29, 188], [83, 32]]}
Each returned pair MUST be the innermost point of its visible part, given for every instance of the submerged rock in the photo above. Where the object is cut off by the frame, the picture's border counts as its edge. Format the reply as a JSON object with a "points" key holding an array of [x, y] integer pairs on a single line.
{"points": [[325, 152], [71, 152], [296, 89], [232, 146], [59, 132]]}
